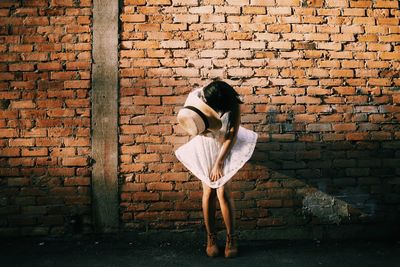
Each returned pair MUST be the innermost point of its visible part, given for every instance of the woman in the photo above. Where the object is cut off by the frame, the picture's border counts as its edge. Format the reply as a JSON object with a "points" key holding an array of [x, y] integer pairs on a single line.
{"points": [[216, 154]]}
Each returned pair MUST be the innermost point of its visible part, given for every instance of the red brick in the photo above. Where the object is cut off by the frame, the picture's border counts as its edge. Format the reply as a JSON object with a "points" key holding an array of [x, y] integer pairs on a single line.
{"points": [[76, 142], [357, 136], [160, 206], [61, 171], [319, 127], [132, 129], [9, 152], [49, 66], [282, 100], [308, 100], [145, 196], [386, 4], [76, 161], [78, 65], [129, 168], [345, 90], [163, 186], [21, 161], [171, 176], [133, 187], [77, 84], [62, 152], [346, 127], [67, 75], [31, 152], [61, 113]]}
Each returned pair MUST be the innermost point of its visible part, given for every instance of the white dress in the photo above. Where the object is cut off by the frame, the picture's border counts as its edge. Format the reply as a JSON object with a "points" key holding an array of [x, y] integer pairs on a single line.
{"points": [[201, 152]]}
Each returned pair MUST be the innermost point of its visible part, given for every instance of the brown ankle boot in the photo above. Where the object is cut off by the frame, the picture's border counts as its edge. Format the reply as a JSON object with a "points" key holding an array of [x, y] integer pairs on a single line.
{"points": [[212, 248], [231, 247]]}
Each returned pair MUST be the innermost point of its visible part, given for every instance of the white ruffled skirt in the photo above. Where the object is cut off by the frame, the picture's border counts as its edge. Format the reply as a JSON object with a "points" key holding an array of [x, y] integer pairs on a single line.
{"points": [[200, 154]]}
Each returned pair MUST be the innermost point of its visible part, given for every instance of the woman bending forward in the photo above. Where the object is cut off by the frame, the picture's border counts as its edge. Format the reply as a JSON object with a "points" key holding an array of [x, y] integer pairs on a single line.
{"points": [[215, 155]]}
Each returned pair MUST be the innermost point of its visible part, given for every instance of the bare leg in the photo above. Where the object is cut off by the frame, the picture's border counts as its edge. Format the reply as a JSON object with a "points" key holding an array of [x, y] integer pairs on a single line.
{"points": [[227, 207], [209, 206], [209, 202]]}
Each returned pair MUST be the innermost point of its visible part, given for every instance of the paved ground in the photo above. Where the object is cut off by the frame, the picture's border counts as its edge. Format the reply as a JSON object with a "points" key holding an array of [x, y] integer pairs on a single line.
{"points": [[162, 251]]}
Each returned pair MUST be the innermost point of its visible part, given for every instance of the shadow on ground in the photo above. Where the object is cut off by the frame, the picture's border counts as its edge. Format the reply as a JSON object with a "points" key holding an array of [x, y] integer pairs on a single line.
{"points": [[171, 251]]}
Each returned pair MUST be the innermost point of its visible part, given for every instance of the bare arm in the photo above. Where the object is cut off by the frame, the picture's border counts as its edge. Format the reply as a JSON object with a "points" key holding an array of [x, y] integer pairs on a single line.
{"points": [[228, 143]]}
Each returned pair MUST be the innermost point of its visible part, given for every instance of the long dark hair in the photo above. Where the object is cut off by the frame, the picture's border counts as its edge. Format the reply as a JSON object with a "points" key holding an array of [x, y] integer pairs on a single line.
{"points": [[221, 97]]}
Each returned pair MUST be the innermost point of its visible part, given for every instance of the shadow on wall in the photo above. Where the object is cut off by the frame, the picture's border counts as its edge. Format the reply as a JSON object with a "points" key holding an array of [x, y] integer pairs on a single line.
{"points": [[334, 182], [297, 180]]}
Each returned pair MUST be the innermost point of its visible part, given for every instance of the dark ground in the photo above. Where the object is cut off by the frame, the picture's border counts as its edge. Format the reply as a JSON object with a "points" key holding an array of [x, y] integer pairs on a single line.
{"points": [[164, 251]]}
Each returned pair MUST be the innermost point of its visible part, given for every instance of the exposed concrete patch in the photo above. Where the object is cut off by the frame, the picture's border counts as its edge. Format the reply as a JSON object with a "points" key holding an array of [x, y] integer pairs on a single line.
{"points": [[105, 116], [328, 209]]}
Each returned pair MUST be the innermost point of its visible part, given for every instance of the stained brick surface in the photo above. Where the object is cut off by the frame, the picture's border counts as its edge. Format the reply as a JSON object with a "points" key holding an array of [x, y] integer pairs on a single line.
{"points": [[45, 70], [320, 81]]}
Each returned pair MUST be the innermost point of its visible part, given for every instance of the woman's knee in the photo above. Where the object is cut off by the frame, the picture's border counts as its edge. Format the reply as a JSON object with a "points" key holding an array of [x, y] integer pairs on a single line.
{"points": [[208, 192], [223, 193]]}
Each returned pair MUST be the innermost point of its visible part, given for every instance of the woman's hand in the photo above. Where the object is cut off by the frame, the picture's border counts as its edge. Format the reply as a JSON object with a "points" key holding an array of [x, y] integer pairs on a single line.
{"points": [[216, 171]]}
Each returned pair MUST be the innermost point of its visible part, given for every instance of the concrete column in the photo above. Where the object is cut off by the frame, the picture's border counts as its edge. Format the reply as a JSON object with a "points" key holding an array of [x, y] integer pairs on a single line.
{"points": [[105, 197]]}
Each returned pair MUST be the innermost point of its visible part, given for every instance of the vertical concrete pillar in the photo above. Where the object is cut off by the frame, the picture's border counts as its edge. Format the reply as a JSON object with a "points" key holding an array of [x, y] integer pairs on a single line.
{"points": [[105, 116]]}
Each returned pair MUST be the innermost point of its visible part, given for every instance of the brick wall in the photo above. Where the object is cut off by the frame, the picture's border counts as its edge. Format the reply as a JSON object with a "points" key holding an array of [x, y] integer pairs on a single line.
{"points": [[321, 86], [320, 81], [45, 70]]}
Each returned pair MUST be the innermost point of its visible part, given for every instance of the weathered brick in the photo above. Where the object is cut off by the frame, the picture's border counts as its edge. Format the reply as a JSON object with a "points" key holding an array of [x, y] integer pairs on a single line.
{"points": [[76, 161], [173, 44], [145, 196], [318, 78]]}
